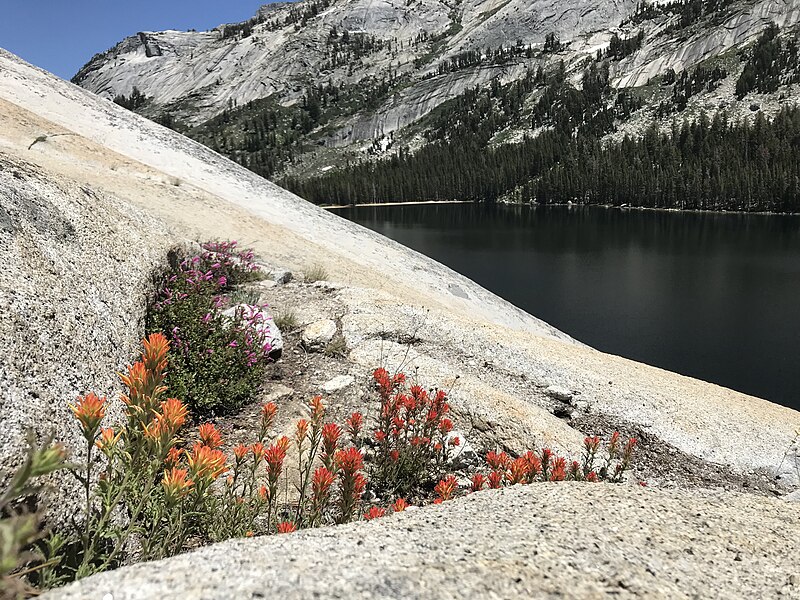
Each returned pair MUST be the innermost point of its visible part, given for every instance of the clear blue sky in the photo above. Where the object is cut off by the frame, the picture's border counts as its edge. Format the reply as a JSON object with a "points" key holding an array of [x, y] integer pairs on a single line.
{"points": [[62, 35]]}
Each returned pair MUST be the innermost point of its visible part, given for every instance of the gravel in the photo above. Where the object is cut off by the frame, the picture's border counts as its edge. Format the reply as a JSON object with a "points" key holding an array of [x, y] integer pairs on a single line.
{"points": [[543, 541]]}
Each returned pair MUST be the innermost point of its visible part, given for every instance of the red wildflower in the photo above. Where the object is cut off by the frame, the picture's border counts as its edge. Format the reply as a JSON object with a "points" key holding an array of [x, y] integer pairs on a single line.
{"points": [[627, 452], [446, 487], [518, 470], [478, 482], [592, 477], [559, 470], [374, 513], [274, 455], [534, 464], [496, 461], [349, 461], [331, 433], [613, 444], [495, 480], [591, 444], [321, 483], [399, 505], [360, 484], [445, 426], [354, 425], [286, 527]]}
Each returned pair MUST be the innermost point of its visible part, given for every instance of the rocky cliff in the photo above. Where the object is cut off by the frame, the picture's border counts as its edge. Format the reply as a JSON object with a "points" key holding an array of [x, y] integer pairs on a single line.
{"points": [[393, 62], [78, 265]]}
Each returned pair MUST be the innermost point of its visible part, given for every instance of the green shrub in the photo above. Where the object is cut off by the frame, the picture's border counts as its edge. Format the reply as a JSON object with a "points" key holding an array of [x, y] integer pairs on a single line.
{"points": [[217, 357]]}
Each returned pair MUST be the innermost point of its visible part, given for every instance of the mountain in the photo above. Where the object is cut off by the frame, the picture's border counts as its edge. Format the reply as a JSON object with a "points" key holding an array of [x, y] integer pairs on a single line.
{"points": [[353, 100]]}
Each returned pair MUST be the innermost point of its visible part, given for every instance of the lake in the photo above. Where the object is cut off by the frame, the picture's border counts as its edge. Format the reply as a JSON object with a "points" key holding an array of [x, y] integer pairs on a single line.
{"points": [[713, 296]]}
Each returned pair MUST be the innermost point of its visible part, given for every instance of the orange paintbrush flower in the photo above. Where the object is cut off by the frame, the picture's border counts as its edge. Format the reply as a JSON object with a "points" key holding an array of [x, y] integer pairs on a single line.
{"points": [[176, 484], [174, 457], [206, 463], [174, 413], [274, 456], [446, 488], [107, 440], [399, 505], [209, 435], [302, 431], [240, 452], [154, 356], [89, 411], [283, 443], [317, 409], [268, 412], [286, 527], [374, 513], [258, 451]]}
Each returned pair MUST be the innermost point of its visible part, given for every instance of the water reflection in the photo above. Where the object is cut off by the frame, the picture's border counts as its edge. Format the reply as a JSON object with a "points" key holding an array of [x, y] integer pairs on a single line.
{"points": [[714, 296]]}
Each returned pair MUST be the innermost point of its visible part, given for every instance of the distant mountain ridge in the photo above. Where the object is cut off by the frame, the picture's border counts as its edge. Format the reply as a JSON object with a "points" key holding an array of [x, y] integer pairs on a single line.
{"points": [[305, 89]]}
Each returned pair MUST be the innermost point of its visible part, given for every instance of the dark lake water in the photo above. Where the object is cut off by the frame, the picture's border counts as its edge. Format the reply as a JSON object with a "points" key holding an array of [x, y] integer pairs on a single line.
{"points": [[713, 296]]}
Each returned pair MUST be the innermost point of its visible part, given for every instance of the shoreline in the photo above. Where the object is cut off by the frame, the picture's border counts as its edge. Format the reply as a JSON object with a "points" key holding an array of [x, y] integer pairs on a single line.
{"points": [[656, 208], [414, 203], [565, 204]]}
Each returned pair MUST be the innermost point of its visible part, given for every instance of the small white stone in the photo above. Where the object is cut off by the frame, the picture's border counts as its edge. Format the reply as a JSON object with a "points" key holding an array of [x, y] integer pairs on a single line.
{"points": [[280, 275], [319, 334], [338, 383], [559, 393]]}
